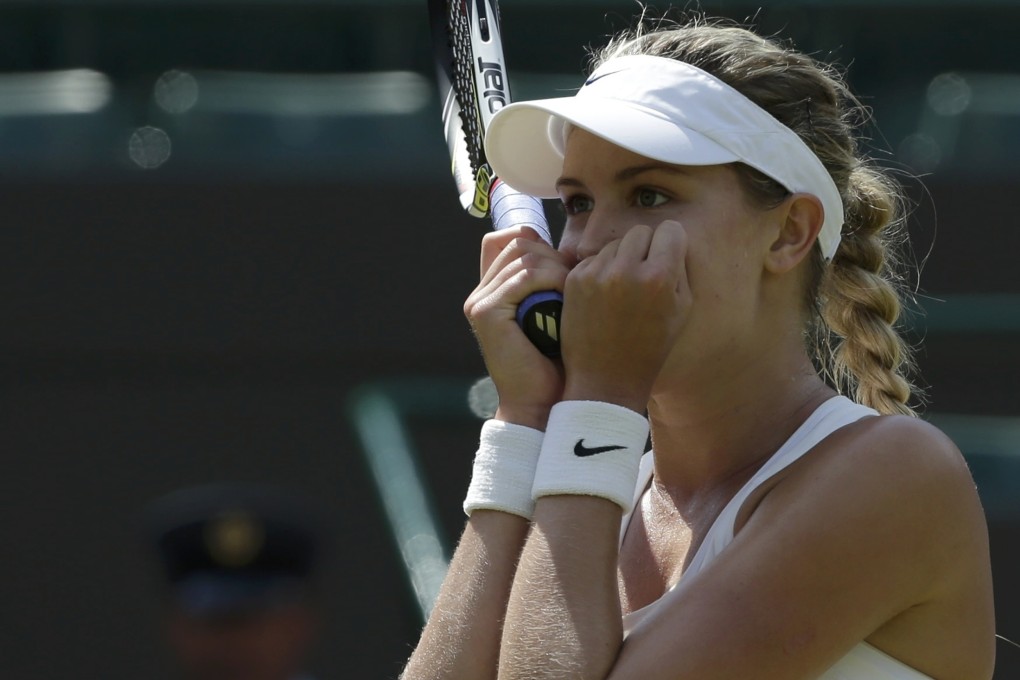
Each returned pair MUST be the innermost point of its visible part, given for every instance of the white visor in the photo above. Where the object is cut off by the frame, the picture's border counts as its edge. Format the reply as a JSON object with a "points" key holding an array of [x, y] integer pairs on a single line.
{"points": [[665, 110]]}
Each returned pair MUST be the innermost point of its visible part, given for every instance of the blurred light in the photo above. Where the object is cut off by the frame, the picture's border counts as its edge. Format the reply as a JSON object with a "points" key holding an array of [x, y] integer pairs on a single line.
{"points": [[949, 94], [334, 94], [483, 399], [53, 92], [997, 94], [149, 147], [921, 152], [176, 91]]}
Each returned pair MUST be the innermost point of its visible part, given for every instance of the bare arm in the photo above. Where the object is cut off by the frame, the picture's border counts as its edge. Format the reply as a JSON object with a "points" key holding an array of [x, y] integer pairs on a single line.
{"points": [[564, 616], [462, 637], [878, 537]]}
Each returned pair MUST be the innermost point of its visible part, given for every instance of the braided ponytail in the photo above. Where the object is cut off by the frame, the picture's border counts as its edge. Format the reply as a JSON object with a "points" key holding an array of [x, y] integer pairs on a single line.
{"points": [[859, 301]]}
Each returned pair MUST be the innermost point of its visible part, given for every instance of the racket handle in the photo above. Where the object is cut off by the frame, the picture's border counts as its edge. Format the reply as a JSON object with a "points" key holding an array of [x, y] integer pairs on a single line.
{"points": [[538, 314], [511, 208]]}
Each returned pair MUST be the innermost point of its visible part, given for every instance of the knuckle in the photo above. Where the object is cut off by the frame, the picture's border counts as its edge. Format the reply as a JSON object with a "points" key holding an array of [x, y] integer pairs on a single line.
{"points": [[530, 260], [656, 278], [527, 276], [470, 305]]}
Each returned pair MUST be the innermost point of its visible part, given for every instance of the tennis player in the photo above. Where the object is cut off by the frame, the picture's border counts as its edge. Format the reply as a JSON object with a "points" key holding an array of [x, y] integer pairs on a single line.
{"points": [[725, 266]]}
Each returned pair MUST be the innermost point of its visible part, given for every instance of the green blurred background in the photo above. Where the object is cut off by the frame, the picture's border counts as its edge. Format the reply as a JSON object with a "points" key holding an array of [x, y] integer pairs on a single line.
{"points": [[228, 226]]}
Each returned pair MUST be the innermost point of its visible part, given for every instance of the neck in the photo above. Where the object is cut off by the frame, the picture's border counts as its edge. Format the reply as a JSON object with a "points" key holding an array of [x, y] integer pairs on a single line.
{"points": [[730, 422]]}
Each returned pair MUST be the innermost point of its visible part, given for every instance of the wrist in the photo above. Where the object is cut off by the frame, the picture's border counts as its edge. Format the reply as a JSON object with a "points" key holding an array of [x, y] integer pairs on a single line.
{"points": [[621, 393], [531, 416], [504, 469], [591, 448]]}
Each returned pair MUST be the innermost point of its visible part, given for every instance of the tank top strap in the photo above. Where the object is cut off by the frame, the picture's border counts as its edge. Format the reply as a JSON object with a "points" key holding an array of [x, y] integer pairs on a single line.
{"points": [[644, 478], [830, 416]]}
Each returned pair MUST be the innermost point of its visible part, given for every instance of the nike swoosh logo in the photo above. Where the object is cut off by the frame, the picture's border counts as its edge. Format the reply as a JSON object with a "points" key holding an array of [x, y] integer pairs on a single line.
{"points": [[582, 451], [593, 78]]}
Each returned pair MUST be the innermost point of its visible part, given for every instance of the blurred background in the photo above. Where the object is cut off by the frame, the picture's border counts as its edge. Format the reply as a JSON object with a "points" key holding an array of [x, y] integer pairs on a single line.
{"points": [[230, 249]]}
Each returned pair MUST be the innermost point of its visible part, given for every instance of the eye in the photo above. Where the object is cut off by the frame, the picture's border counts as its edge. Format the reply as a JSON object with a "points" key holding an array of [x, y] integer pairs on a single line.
{"points": [[650, 198], [578, 203]]}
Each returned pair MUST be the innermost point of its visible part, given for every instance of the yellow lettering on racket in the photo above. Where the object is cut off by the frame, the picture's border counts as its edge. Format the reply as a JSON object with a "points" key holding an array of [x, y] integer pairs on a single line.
{"points": [[483, 183]]}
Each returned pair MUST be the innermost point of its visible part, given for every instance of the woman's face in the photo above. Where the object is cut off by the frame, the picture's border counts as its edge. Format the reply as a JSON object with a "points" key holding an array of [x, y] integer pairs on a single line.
{"points": [[607, 190]]}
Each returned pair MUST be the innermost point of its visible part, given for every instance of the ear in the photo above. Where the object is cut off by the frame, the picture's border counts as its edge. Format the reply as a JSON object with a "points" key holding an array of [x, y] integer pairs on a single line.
{"points": [[801, 216]]}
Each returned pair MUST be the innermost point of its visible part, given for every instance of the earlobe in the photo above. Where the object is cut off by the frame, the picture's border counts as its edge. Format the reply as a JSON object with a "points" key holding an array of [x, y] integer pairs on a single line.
{"points": [[801, 218]]}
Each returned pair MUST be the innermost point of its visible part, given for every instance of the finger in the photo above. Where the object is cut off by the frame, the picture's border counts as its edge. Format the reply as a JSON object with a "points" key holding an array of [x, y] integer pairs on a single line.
{"points": [[499, 301], [619, 256], [668, 248], [603, 259], [518, 248], [635, 244], [510, 284], [496, 242], [535, 269], [523, 273]]}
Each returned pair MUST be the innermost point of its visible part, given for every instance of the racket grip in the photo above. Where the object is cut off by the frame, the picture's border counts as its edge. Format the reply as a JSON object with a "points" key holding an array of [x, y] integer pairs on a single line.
{"points": [[511, 208], [538, 314]]}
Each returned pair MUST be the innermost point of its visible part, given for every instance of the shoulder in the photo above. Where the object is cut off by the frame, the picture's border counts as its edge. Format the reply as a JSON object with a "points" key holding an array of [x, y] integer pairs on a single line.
{"points": [[895, 452], [897, 460], [895, 486], [875, 534]]}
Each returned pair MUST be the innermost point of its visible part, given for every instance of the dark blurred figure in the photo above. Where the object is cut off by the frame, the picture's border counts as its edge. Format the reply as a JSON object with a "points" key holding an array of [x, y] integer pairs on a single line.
{"points": [[240, 565]]}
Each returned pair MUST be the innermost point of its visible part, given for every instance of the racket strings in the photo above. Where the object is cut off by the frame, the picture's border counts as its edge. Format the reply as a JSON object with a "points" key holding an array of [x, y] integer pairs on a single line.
{"points": [[464, 86]]}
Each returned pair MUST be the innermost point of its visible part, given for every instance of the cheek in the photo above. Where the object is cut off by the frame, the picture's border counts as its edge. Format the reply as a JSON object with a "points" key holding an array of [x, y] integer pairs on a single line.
{"points": [[720, 270]]}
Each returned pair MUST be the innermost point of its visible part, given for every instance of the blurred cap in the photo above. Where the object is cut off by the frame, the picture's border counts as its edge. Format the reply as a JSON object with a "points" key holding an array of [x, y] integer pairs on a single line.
{"points": [[235, 548]]}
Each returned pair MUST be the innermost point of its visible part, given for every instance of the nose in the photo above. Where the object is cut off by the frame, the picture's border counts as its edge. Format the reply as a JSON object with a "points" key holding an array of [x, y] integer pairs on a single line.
{"points": [[601, 226]]}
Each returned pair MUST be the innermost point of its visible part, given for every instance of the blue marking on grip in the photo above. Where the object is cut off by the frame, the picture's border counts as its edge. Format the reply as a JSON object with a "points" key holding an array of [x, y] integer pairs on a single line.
{"points": [[538, 315], [528, 303]]}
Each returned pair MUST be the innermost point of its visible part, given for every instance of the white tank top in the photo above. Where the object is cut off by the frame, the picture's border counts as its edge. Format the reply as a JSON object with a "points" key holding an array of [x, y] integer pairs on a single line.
{"points": [[863, 662]]}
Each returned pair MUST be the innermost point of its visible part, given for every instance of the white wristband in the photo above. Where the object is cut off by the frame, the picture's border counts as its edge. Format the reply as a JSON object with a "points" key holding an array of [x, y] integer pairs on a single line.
{"points": [[591, 448], [504, 469]]}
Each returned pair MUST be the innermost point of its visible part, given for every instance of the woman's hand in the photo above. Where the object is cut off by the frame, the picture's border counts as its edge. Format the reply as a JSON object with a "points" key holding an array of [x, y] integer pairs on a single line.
{"points": [[516, 263], [623, 310]]}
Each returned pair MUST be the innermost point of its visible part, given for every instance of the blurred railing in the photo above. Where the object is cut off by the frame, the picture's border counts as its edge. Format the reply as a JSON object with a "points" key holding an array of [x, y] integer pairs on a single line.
{"points": [[379, 414]]}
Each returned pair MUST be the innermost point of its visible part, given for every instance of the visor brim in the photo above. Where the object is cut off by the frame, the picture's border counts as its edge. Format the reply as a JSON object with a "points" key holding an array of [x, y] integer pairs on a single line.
{"points": [[524, 143]]}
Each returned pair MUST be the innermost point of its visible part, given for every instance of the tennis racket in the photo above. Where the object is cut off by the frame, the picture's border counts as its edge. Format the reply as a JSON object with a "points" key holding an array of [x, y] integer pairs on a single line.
{"points": [[473, 86]]}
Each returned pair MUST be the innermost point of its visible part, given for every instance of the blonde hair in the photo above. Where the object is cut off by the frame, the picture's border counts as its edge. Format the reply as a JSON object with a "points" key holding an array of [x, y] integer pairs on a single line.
{"points": [[854, 300]]}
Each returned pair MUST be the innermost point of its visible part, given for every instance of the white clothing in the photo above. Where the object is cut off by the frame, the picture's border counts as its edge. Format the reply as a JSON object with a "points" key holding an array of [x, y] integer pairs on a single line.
{"points": [[863, 662]]}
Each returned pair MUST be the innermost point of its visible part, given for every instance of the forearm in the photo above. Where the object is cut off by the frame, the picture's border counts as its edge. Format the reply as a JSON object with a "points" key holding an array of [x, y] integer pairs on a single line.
{"points": [[563, 619], [462, 636]]}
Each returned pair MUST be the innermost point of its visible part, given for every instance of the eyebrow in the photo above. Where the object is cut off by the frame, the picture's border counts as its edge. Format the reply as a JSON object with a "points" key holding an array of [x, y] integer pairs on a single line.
{"points": [[628, 173]]}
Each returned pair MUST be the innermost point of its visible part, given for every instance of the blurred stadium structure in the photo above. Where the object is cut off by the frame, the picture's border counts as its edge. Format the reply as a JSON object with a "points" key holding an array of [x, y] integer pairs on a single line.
{"points": [[230, 247]]}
